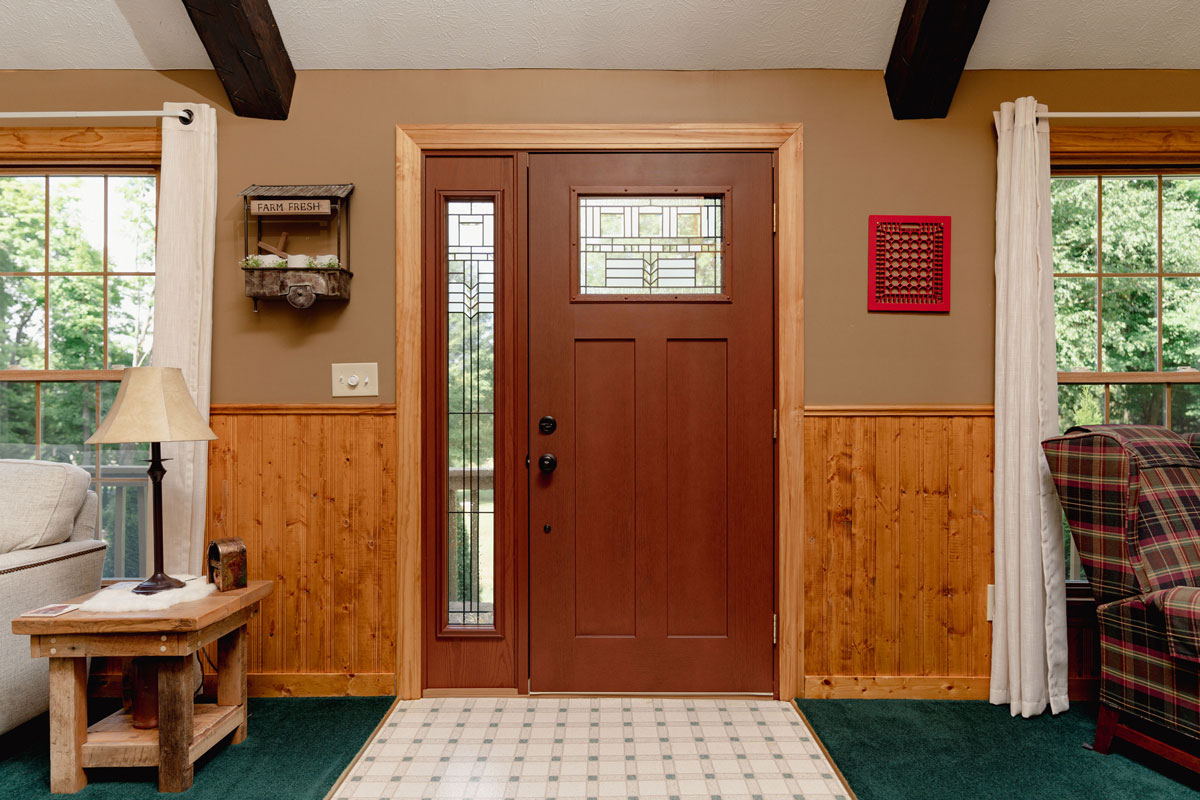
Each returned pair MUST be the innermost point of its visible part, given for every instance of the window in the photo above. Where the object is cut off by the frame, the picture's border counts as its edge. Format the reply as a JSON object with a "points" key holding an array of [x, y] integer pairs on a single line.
{"points": [[650, 246], [470, 412], [77, 252], [1127, 299]]}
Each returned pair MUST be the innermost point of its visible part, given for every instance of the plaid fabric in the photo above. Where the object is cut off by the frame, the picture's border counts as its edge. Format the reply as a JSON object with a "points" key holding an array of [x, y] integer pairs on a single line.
{"points": [[1161, 501], [1137, 672], [1131, 495], [1193, 439], [1180, 608], [1092, 476]]}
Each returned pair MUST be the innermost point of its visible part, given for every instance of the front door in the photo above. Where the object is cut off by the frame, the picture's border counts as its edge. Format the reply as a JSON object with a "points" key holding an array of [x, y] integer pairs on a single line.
{"points": [[651, 422]]}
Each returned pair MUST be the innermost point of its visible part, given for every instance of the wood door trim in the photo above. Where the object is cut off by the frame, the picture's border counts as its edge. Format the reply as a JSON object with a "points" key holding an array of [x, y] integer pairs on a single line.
{"points": [[786, 138], [723, 136]]}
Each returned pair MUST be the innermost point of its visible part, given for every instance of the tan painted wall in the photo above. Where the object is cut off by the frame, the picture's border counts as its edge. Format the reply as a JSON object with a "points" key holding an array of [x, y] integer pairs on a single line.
{"points": [[858, 161]]}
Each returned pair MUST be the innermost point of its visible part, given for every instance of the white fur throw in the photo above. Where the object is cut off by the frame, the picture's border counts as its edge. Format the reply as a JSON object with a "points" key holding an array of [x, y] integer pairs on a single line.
{"points": [[120, 596]]}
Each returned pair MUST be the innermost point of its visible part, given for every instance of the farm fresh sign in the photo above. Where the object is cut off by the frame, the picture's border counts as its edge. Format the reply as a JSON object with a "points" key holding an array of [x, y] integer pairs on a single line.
{"points": [[300, 206]]}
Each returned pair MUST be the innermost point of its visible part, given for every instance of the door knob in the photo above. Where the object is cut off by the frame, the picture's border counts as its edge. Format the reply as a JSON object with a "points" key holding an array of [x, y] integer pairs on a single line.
{"points": [[547, 463]]}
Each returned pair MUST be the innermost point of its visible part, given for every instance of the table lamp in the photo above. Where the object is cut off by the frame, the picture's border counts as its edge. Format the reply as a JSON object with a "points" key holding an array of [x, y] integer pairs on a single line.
{"points": [[153, 405]]}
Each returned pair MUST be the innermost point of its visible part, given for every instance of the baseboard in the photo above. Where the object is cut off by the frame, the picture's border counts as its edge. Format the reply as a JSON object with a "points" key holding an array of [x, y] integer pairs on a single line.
{"points": [[509, 692], [897, 687]]}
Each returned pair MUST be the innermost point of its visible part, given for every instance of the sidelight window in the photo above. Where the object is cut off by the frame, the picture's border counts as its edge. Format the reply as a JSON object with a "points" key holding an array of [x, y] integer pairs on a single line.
{"points": [[470, 412]]}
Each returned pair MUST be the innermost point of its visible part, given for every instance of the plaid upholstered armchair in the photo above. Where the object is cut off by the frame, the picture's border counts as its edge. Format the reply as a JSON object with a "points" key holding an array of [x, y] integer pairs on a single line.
{"points": [[1131, 495]]}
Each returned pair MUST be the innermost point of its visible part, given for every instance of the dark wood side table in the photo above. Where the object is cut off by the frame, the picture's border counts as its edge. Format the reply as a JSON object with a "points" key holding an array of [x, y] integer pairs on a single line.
{"points": [[170, 637]]}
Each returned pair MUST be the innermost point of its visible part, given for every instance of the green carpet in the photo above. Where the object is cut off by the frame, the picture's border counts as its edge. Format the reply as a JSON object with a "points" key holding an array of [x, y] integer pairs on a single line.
{"points": [[951, 750], [297, 748]]}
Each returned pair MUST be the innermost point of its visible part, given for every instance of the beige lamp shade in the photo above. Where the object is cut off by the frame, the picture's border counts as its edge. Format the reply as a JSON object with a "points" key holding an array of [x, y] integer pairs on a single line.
{"points": [[152, 405]]}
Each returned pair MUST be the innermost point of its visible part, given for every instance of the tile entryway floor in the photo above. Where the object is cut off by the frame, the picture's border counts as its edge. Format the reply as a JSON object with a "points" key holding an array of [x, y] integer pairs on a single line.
{"points": [[646, 748]]}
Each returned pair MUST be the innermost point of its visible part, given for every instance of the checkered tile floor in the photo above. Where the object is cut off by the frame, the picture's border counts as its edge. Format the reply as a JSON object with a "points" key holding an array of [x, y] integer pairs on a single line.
{"points": [[678, 749]]}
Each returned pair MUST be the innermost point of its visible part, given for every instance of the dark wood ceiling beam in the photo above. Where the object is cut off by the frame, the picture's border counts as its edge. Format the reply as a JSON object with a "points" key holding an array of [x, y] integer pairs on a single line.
{"points": [[246, 50], [928, 56]]}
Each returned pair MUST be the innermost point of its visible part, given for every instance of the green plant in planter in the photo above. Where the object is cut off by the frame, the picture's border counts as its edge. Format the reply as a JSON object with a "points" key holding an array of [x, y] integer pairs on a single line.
{"points": [[251, 262], [332, 263]]}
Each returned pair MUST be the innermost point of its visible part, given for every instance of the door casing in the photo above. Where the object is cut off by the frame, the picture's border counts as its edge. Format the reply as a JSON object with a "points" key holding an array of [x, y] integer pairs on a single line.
{"points": [[784, 138]]}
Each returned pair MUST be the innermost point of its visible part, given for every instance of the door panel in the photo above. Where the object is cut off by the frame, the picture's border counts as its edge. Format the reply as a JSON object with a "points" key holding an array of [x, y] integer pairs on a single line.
{"points": [[605, 506], [697, 483], [656, 573]]}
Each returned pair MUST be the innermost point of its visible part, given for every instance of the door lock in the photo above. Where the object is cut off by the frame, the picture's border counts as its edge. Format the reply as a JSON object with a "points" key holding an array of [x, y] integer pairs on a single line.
{"points": [[547, 463], [547, 424]]}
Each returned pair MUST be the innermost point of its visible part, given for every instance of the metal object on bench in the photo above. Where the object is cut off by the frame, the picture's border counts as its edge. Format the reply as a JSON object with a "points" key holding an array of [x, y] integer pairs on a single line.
{"points": [[227, 564]]}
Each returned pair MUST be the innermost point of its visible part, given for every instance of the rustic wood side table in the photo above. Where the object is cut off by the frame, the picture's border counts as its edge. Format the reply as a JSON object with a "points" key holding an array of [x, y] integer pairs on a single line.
{"points": [[170, 637]]}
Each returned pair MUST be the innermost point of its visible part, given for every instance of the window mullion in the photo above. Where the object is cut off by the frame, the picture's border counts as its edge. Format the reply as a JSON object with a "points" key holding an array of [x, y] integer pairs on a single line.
{"points": [[1160, 280], [104, 296], [1100, 284], [45, 282]]}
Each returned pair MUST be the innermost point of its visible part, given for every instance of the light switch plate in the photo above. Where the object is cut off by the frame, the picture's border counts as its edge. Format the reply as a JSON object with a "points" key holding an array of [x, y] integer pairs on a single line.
{"points": [[356, 380]]}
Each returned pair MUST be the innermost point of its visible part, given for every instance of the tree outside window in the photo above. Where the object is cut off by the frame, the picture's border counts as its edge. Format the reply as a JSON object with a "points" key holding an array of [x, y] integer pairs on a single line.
{"points": [[76, 305]]}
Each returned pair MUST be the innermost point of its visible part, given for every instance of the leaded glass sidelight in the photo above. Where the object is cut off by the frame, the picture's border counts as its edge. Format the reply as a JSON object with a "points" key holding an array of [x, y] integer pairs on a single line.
{"points": [[470, 412], [650, 246]]}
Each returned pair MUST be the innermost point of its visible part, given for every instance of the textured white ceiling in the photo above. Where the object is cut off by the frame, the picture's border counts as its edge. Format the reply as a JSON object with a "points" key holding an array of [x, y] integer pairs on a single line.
{"points": [[600, 34]]}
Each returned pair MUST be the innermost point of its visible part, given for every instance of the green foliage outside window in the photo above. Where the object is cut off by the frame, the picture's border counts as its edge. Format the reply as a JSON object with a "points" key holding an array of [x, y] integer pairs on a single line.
{"points": [[1113, 302], [1127, 300], [77, 293]]}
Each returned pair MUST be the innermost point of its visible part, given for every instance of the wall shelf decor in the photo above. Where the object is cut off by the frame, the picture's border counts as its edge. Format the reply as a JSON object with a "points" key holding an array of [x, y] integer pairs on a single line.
{"points": [[908, 261], [317, 214]]}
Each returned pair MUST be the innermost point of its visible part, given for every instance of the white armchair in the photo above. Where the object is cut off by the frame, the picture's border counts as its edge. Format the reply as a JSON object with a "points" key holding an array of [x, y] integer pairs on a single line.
{"points": [[48, 554]]}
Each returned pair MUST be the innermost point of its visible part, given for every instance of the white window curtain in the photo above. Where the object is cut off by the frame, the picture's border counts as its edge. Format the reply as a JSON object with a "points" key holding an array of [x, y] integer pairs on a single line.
{"points": [[183, 295], [1029, 634]]}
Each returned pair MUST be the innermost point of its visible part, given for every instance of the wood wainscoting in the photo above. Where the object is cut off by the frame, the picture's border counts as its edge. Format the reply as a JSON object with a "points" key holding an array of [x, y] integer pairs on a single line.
{"points": [[898, 556], [898, 551], [311, 489]]}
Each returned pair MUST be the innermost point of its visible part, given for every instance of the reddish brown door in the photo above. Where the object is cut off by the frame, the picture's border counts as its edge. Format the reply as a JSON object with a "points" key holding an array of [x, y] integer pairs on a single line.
{"points": [[651, 346]]}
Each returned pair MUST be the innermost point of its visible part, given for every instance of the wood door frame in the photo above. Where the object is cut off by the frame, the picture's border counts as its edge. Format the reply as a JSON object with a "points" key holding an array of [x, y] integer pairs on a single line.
{"points": [[786, 139]]}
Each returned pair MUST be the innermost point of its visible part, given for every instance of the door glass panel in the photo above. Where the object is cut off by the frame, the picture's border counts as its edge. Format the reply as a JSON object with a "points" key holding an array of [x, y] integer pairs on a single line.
{"points": [[470, 411], [650, 246]]}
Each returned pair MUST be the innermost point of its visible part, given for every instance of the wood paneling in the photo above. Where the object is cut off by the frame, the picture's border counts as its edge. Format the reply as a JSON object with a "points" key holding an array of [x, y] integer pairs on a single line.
{"points": [[898, 550], [312, 492], [898, 554]]}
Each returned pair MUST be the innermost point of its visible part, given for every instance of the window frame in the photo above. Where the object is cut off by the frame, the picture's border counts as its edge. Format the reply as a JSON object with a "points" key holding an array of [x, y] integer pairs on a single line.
{"points": [[1099, 376], [77, 151], [1082, 151]]}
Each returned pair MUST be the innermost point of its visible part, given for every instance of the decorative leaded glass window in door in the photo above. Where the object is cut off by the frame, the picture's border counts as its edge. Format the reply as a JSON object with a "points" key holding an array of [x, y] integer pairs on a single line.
{"points": [[651, 246]]}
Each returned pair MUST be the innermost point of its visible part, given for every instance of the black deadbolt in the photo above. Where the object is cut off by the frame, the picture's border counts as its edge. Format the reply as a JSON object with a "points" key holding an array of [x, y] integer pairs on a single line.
{"points": [[546, 528], [547, 424], [547, 463]]}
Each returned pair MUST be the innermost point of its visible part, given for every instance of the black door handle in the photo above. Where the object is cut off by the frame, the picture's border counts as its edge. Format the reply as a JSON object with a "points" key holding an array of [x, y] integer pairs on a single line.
{"points": [[547, 463]]}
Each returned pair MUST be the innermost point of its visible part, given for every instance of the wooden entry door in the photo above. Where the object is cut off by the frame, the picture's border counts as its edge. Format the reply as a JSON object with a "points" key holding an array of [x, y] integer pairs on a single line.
{"points": [[651, 346]]}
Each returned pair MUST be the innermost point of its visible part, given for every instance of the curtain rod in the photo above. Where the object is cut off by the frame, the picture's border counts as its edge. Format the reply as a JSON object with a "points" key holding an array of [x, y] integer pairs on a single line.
{"points": [[186, 116], [1118, 114]]}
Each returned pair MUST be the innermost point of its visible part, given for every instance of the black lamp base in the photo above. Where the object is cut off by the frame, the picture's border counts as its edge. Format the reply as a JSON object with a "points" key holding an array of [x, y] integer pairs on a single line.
{"points": [[156, 583], [160, 580]]}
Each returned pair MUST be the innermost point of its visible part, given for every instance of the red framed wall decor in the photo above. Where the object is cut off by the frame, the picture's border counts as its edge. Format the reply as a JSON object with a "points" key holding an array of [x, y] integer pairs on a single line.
{"points": [[908, 261]]}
